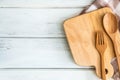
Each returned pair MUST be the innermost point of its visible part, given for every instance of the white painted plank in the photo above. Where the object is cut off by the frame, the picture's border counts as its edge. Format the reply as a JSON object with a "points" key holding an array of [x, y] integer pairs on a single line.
{"points": [[35, 53], [44, 3], [16, 22], [48, 74]]}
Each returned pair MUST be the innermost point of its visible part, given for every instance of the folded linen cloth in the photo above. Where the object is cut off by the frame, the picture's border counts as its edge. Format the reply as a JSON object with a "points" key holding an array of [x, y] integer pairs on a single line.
{"points": [[115, 6]]}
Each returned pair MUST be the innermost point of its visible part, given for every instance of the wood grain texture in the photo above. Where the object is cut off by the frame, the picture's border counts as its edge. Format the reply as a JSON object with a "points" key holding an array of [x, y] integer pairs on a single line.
{"points": [[116, 42], [101, 45], [25, 34], [45, 3], [47, 74], [15, 22], [112, 29], [80, 33], [35, 53]]}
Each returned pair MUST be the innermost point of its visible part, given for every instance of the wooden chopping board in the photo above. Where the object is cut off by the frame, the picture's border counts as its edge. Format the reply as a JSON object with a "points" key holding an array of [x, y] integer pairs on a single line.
{"points": [[80, 32]]}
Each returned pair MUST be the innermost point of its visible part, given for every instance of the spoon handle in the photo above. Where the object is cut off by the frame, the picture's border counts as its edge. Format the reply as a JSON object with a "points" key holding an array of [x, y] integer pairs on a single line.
{"points": [[117, 49]]}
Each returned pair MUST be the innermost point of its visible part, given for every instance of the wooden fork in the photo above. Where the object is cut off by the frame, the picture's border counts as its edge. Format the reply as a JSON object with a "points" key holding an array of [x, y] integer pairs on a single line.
{"points": [[101, 46]]}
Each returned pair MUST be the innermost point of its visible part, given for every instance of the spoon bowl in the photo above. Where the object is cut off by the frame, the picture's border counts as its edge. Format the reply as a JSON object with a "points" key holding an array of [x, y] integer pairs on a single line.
{"points": [[110, 23]]}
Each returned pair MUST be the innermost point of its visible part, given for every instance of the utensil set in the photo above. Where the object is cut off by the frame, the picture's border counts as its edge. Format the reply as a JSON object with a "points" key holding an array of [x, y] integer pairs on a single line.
{"points": [[111, 28]]}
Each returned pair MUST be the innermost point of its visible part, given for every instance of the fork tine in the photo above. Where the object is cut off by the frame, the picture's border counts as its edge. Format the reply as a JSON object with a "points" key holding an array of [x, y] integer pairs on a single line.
{"points": [[97, 38], [102, 37]]}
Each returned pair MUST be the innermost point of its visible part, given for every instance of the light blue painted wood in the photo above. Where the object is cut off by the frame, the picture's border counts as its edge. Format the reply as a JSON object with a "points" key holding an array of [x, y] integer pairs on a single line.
{"points": [[32, 36], [18, 22], [45, 3], [47, 74]]}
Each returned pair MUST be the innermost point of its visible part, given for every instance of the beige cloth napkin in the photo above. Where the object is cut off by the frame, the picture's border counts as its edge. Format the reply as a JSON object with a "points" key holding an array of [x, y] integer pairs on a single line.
{"points": [[115, 6]]}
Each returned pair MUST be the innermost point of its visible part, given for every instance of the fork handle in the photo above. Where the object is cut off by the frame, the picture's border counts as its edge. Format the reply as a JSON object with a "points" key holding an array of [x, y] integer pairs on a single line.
{"points": [[103, 72]]}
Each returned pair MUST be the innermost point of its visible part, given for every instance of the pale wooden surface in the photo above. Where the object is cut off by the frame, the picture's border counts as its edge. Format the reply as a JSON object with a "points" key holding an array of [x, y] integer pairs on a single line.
{"points": [[80, 32], [45, 3], [47, 74], [32, 36]]}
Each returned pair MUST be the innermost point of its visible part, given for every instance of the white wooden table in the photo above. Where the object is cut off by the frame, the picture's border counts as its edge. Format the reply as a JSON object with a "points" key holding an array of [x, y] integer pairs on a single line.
{"points": [[33, 45]]}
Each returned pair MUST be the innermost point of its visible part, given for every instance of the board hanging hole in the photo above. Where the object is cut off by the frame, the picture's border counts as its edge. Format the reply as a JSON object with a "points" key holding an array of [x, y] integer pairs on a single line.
{"points": [[106, 71]]}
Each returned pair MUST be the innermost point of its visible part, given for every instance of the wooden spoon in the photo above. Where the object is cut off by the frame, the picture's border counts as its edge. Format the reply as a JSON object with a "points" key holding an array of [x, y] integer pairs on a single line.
{"points": [[111, 26]]}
